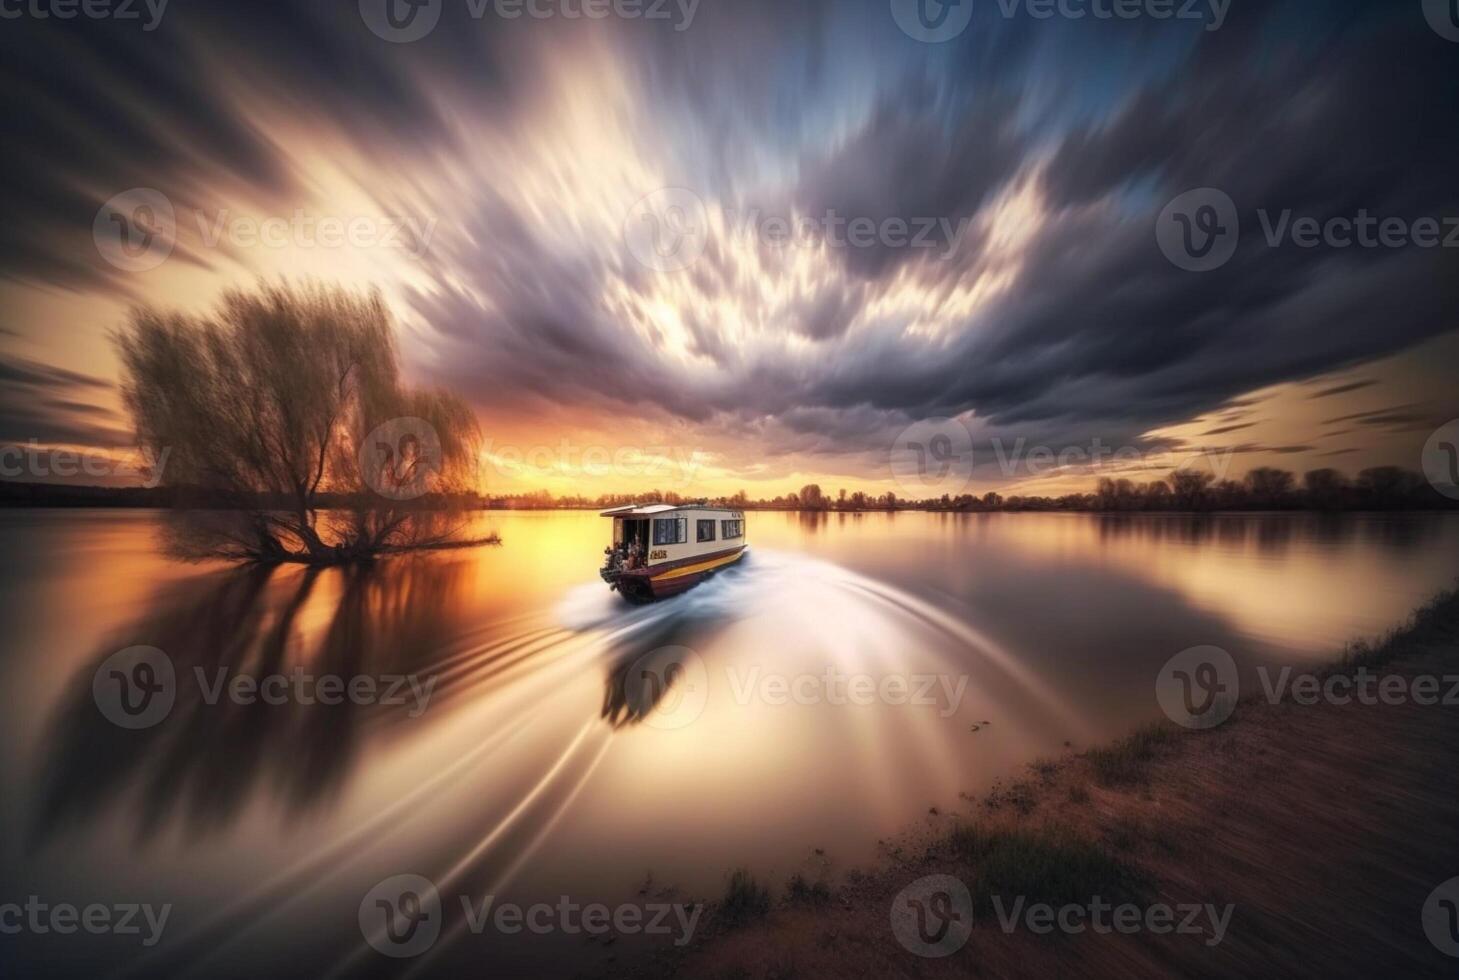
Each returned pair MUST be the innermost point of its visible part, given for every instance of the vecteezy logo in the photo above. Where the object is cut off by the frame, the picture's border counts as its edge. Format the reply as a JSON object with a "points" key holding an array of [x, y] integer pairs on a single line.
{"points": [[400, 21], [933, 457], [668, 229], [1198, 231], [135, 230], [1198, 688], [135, 688], [1443, 17], [933, 916], [667, 687], [401, 459], [1441, 459], [932, 21], [401, 916], [1441, 918]]}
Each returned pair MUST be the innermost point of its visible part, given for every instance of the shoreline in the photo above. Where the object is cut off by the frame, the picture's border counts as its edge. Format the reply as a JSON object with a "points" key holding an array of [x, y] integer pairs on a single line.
{"points": [[1319, 830], [69, 504]]}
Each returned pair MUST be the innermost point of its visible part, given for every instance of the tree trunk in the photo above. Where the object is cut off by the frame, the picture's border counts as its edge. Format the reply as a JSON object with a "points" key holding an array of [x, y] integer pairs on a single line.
{"points": [[269, 547], [318, 550]]}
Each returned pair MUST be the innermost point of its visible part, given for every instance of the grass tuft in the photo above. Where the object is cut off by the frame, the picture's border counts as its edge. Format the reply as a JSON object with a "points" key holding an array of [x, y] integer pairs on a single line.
{"points": [[745, 899], [1430, 623], [1126, 762], [1054, 866], [1045, 769], [798, 889]]}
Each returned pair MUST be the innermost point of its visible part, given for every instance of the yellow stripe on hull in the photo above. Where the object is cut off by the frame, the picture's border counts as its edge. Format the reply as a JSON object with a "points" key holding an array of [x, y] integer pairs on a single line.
{"points": [[703, 566]]}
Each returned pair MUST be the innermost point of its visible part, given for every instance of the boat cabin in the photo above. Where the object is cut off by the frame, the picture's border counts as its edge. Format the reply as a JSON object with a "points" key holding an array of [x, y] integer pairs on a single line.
{"points": [[660, 549]]}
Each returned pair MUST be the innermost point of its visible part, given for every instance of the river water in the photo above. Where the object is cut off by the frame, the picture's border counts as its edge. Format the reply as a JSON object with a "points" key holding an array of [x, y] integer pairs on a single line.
{"points": [[545, 741]]}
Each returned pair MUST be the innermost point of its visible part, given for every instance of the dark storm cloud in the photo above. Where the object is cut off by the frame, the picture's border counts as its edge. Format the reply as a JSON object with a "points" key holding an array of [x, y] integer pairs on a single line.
{"points": [[96, 107], [549, 340], [830, 313], [1404, 418], [1223, 429], [45, 403], [907, 163], [1343, 389], [1354, 111], [1249, 448], [1393, 415], [33, 374]]}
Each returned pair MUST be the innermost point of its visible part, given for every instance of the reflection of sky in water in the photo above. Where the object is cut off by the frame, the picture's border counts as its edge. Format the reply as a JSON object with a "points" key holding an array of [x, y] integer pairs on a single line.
{"points": [[546, 763]]}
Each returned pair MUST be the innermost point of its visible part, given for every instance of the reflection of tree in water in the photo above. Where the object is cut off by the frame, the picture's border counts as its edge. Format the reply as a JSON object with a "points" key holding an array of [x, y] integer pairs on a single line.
{"points": [[1272, 532], [203, 764], [812, 521]]}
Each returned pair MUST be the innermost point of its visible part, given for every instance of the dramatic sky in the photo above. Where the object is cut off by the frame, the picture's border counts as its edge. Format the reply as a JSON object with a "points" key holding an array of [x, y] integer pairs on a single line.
{"points": [[503, 180]]}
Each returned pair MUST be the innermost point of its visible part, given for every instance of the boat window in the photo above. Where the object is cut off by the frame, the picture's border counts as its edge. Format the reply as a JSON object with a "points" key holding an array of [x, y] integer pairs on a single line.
{"points": [[706, 530], [671, 530], [731, 529]]}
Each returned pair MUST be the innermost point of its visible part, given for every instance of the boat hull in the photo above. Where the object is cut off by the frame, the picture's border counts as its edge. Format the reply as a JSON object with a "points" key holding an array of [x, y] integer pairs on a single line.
{"points": [[671, 578]]}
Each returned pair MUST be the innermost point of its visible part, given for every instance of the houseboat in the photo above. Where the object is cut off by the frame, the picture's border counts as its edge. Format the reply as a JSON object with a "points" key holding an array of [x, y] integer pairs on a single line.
{"points": [[662, 549]]}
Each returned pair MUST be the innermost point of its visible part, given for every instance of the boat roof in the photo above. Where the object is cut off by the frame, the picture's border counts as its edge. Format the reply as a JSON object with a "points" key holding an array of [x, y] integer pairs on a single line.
{"points": [[644, 510]]}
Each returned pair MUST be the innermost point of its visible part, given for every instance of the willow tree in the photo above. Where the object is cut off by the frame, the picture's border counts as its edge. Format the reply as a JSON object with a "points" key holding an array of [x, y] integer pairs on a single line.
{"points": [[281, 396]]}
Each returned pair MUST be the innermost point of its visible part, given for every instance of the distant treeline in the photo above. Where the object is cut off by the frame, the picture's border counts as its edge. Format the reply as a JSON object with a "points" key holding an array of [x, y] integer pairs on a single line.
{"points": [[1379, 488], [16, 494]]}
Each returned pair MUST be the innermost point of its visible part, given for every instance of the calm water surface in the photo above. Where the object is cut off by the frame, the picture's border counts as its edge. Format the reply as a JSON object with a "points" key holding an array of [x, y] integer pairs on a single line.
{"points": [[549, 761]]}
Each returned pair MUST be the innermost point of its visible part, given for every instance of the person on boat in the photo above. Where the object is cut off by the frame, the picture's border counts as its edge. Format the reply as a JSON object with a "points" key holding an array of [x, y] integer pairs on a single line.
{"points": [[634, 553]]}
